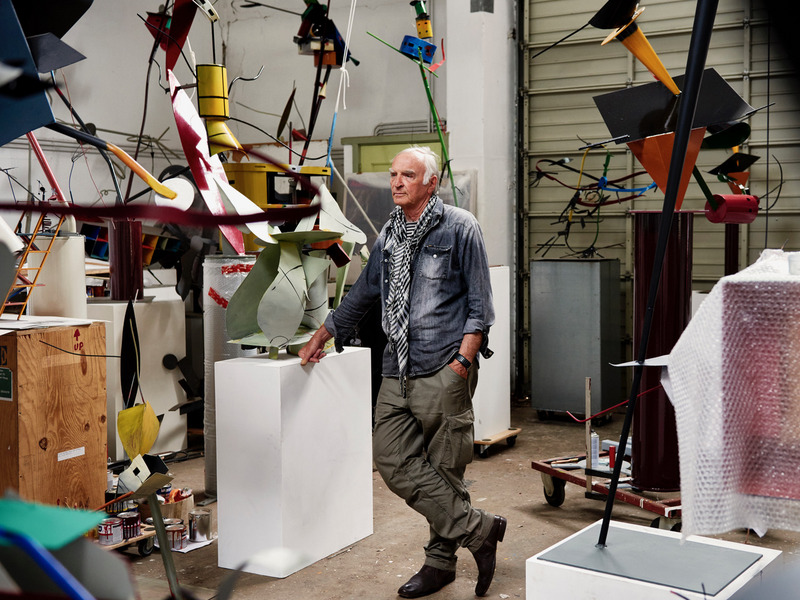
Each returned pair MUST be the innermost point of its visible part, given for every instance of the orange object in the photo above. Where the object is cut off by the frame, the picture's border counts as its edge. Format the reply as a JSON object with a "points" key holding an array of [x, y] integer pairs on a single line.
{"points": [[739, 179], [655, 152]]}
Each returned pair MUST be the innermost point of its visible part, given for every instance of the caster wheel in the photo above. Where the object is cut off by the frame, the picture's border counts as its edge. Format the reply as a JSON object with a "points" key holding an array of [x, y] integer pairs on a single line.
{"points": [[556, 499], [483, 451], [511, 441], [146, 547]]}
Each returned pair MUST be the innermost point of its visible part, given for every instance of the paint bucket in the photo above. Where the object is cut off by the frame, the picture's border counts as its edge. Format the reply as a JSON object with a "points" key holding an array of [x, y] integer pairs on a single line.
{"points": [[131, 524], [109, 531], [176, 534], [200, 525], [168, 522]]}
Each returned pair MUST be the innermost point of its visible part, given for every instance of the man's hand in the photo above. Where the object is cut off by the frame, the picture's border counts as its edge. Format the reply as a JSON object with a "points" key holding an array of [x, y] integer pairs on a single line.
{"points": [[313, 350], [460, 369]]}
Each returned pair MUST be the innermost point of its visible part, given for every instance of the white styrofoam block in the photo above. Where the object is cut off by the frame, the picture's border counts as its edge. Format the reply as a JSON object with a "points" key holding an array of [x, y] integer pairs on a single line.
{"points": [[547, 580], [162, 330], [492, 400], [294, 458]]}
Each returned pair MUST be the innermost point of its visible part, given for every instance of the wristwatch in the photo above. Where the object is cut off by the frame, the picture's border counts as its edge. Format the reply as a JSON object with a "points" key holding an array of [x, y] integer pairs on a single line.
{"points": [[462, 360]]}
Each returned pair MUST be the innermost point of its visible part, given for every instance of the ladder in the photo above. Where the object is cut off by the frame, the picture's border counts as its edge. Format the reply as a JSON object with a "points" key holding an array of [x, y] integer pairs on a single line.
{"points": [[22, 277], [26, 277]]}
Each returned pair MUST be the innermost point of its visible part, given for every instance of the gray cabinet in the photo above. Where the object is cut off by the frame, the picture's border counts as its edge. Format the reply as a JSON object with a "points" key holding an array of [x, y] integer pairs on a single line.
{"points": [[575, 333]]}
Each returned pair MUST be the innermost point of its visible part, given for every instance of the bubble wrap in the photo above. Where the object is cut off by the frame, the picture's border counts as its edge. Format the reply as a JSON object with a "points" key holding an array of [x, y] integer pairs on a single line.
{"points": [[734, 380], [222, 276]]}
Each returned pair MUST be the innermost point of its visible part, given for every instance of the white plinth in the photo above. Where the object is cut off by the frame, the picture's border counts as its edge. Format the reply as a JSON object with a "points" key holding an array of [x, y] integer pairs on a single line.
{"points": [[162, 330], [492, 400], [294, 458], [652, 550]]}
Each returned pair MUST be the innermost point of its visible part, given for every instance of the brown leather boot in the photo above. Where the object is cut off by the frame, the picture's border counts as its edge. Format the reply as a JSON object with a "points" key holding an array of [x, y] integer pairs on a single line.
{"points": [[427, 581], [486, 555]]}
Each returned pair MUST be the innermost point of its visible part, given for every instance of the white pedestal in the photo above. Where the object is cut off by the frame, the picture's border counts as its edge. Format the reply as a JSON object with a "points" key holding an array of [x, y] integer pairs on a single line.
{"points": [[162, 330], [294, 458], [634, 552], [492, 399]]}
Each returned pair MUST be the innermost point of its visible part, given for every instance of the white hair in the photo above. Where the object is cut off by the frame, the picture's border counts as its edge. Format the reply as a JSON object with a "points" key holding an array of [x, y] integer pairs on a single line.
{"points": [[429, 159]]}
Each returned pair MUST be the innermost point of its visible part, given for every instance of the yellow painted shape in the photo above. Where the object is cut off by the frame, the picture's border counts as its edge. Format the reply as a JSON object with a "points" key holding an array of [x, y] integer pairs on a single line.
{"points": [[638, 45], [138, 429]]}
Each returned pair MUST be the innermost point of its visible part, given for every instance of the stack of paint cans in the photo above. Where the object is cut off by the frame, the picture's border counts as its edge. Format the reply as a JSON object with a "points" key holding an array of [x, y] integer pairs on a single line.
{"points": [[200, 525], [131, 524], [109, 531]]}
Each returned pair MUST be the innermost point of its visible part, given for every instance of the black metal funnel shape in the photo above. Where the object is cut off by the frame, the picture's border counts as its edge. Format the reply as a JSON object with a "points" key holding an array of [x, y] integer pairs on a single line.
{"points": [[614, 14]]}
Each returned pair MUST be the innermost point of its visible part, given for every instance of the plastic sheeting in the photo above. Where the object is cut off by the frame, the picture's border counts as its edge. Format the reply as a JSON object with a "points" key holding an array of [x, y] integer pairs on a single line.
{"points": [[734, 379], [222, 275]]}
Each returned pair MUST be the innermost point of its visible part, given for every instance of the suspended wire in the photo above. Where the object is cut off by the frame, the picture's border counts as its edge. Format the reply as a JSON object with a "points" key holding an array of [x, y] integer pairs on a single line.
{"points": [[235, 79], [177, 45], [276, 139]]}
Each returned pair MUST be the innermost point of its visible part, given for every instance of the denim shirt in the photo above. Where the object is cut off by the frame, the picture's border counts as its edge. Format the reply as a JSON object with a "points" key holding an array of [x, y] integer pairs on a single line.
{"points": [[450, 296]]}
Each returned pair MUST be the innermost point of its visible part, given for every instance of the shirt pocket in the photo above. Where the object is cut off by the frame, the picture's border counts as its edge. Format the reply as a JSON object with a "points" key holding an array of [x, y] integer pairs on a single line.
{"points": [[434, 261]]}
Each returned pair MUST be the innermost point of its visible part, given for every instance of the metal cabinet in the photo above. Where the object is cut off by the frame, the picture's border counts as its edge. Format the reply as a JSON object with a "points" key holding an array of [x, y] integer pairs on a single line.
{"points": [[575, 333]]}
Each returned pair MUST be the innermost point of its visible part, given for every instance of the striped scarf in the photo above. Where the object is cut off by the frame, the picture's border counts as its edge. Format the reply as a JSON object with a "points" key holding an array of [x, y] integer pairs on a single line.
{"points": [[403, 243]]}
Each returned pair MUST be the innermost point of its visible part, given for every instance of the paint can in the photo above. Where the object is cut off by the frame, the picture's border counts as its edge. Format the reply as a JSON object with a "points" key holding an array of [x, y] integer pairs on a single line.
{"points": [[131, 524], [109, 531], [177, 537], [200, 525], [168, 522]]}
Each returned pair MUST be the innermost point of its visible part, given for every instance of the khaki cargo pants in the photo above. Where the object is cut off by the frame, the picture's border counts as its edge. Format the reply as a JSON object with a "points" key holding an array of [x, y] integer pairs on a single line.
{"points": [[421, 446]]}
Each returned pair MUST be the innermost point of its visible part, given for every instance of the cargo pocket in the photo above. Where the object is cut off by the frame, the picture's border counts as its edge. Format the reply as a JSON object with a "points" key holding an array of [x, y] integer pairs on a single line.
{"points": [[458, 441]]}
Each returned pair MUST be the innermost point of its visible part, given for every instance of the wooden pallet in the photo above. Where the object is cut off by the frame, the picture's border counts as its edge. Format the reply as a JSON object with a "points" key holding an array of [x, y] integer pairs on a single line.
{"points": [[509, 435]]}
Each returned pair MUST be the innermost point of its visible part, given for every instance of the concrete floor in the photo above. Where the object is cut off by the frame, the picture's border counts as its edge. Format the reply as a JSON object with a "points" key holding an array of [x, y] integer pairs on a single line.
{"points": [[375, 567]]}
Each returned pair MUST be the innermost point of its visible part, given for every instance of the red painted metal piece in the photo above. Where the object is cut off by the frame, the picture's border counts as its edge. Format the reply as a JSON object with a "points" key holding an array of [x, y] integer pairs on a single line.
{"points": [[655, 439], [125, 260], [733, 209], [670, 508], [205, 168]]}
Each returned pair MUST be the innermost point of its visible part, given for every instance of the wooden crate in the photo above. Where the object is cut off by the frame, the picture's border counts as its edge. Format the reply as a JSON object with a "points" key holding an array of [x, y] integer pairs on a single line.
{"points": [[53, 415]]}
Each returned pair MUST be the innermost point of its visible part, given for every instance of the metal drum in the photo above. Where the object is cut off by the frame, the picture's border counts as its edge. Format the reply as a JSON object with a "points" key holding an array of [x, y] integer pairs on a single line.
{"points": [[200, 525], [109, 531], [131, 524]]}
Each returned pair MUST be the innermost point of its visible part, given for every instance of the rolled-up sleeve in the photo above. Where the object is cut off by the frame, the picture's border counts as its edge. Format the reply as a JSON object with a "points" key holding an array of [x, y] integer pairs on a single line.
{"points": [[475, 265], [365, 292]]}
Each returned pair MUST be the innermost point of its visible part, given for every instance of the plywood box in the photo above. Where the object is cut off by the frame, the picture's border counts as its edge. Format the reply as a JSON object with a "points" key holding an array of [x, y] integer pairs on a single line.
{"points": [[53, 415]]}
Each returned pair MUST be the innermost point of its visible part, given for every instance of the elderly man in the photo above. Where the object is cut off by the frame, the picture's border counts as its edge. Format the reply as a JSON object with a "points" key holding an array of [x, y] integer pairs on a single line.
{"points": [[429, 270]]}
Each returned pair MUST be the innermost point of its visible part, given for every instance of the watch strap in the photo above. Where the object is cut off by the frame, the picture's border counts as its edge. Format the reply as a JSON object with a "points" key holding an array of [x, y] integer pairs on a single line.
{"points": [[463, 360]]}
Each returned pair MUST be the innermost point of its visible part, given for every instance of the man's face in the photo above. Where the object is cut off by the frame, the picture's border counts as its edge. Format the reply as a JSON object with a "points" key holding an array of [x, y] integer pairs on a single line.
{"points": [[408, 191]]}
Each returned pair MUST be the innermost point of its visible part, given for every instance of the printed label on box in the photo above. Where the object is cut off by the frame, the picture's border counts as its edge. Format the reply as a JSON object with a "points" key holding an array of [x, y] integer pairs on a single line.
{"points": [[71, 453], [6, 387]]}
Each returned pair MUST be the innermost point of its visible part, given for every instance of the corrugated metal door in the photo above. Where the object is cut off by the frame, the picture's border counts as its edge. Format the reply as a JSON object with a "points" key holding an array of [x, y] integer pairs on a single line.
{"points": [[559, 116]]}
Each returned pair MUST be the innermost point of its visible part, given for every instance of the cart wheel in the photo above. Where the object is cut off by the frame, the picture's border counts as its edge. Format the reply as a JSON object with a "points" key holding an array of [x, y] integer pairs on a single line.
{"points": [[483, 450], [677, 526], [655, 523], [558, 495], [511, 441], [146, 547]]}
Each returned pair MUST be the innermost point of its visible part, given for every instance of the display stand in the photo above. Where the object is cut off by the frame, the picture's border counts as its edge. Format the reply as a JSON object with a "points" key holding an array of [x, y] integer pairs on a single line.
{"points": [[492, 399], [647, 564], [294, 459]]}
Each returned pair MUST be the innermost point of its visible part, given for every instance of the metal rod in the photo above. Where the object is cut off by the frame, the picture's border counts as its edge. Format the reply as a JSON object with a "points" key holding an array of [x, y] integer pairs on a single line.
{"points": [[589, 465], [695, 64], [164, 546]]}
